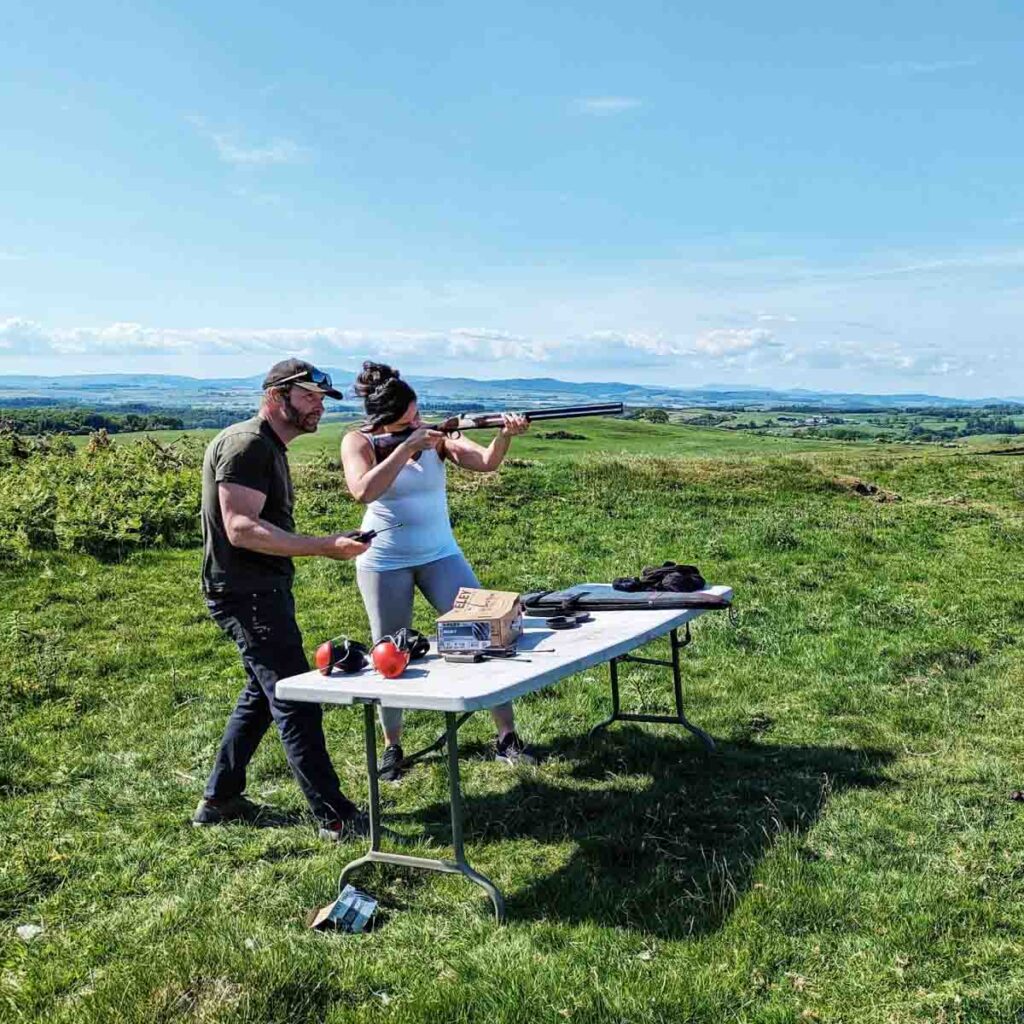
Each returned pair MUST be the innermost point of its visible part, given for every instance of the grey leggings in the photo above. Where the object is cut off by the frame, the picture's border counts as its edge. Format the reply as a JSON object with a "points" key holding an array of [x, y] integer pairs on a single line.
{"points": [[388, 598]]}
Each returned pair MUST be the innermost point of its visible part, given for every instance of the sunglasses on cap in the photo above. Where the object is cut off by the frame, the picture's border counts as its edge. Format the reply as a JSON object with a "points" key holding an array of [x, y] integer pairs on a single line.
{"points": [[310, 376]]}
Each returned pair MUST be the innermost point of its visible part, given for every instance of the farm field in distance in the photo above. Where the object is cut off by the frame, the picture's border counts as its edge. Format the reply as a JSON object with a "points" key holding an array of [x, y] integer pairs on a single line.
{"points": [[591, 436], [949, 426], [686, 431], [850, 854]]}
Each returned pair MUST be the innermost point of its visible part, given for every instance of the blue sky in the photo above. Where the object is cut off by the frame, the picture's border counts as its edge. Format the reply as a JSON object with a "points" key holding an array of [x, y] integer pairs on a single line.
{"points": [[796, 195]]}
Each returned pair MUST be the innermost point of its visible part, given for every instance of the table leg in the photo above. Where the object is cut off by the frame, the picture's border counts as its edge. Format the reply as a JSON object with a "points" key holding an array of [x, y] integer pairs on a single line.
{"points": [[679, 718], [370, 731], [377, 856], [613, 669], [677, 680], [411, 759], [455, 794]]}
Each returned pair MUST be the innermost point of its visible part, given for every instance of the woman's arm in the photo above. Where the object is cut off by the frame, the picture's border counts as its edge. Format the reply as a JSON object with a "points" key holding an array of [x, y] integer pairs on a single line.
{"points": [[366, 479], [470, 455]]}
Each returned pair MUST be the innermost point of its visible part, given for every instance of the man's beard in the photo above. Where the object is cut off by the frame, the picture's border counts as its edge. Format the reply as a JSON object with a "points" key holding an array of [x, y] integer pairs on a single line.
{"points": [[306, 422]]}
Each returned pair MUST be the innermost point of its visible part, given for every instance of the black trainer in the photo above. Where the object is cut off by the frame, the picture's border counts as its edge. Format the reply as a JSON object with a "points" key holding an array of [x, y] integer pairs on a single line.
{"points": [[390, 769], [219, 811], [512, 750], [344, 830]]}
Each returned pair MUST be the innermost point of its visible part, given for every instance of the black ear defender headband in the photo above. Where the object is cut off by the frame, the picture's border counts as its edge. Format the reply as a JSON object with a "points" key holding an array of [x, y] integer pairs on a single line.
{"points": [[411, 640]]}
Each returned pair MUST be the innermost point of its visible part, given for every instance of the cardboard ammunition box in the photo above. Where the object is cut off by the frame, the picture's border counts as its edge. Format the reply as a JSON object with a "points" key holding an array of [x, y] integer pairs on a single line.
{"points": [[480, 620], [350, 912]]}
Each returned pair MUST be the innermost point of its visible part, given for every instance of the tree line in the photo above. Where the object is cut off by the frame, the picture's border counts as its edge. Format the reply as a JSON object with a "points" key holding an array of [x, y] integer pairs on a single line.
{"points": [[977, 424], [50, 419]]}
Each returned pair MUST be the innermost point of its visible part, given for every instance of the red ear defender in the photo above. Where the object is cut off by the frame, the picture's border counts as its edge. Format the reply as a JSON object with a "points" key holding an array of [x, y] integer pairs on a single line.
{"points": [[388, 659], [346, 655], [325, 656]]}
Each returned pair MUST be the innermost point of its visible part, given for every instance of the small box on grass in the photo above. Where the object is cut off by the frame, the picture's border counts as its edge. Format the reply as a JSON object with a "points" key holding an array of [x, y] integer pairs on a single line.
{"points": [[350, 912], [488, 621]]}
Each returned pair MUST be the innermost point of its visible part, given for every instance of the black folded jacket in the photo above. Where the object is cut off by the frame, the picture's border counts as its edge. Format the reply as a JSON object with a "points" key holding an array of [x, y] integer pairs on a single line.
{"points": [[668, 577]]}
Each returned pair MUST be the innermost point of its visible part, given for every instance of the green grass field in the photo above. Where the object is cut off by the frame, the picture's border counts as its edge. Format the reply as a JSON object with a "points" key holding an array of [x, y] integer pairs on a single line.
{"points": [[611, 437], [678, 438], [849, 855]]}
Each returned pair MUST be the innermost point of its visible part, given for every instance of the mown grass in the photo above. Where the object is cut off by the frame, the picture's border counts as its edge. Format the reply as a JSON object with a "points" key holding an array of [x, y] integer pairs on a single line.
{"points": [[849, 855]]}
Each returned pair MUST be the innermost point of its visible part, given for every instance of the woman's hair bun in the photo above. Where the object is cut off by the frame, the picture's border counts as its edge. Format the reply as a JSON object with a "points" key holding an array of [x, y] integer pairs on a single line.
{"points": [[372, 377], [385, 395]]}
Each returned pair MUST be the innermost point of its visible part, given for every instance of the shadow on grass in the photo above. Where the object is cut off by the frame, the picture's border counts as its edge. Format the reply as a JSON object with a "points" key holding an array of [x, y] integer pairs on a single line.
{"points": [[276, 817], [269, 817], [667, 838]]}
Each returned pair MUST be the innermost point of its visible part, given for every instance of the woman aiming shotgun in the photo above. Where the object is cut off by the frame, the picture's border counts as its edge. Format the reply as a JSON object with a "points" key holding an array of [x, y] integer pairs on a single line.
{"points": [[404, 482]]}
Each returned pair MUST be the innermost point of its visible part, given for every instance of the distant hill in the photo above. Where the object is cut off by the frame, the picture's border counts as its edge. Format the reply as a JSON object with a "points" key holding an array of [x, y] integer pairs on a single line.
{"points": [[241, 392]]}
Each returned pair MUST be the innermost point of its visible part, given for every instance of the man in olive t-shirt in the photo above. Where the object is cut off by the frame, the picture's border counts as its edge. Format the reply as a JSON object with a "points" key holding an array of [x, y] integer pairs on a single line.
{"points": [[252, 455], [249, 541]]}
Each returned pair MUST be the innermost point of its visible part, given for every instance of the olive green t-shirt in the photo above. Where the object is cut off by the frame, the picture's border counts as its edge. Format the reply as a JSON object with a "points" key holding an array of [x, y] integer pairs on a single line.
{"points": [[250, 454]]}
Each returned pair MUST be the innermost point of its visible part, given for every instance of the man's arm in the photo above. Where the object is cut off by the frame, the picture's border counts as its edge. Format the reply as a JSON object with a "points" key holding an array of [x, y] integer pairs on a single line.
{"points": [[240, 509]]}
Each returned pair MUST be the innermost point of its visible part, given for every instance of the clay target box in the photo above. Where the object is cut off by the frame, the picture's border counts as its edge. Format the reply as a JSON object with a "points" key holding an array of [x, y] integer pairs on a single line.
{"points": [[480, 620]]}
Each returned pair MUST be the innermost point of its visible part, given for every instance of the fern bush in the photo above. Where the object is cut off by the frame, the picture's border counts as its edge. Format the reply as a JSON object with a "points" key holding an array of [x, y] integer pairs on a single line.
{"points": [[104, 499]]}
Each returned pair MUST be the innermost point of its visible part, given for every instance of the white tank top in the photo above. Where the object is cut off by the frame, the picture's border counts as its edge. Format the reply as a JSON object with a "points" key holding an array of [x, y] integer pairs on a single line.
{"points": [[417, 498]]}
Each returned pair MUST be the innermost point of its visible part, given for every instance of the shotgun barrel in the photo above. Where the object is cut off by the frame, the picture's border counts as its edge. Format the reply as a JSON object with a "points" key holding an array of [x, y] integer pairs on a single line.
{"points": [[386, 443], [481, 421]]}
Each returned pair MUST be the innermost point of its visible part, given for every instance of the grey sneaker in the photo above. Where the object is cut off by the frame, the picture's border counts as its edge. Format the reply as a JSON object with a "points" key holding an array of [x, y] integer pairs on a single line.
{"points": [[220, 811], [512, 750], [344, 830], [390, 769]]}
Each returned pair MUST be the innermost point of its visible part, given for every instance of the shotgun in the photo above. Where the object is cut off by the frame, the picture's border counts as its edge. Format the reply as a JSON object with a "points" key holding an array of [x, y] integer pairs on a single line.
{"points": [[455, 425]]}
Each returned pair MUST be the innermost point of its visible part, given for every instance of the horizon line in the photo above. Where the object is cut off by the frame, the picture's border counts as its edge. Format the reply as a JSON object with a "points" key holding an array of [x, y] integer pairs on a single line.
{"points": [[559, 380]]}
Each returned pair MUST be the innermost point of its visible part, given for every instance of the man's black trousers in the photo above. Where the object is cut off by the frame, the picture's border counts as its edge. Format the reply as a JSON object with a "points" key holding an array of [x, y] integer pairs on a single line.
{"points": [[264, 628]]}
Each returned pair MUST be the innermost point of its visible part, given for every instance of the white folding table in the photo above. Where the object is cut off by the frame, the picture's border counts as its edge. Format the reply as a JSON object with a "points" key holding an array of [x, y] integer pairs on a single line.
{"points": [[457, 690]]}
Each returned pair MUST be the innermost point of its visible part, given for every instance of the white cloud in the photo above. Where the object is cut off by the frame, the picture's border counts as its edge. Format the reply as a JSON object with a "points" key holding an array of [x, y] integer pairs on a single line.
{"points": [[733, 341], [1009, 259], [497, 345], [775, 318], [636, 341], [277, 151], [325, 342], [482, 350], [605, 106], [23, 337], [481, 345], [233, 150], [259, 198], [919, 67], [892, 359]]}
